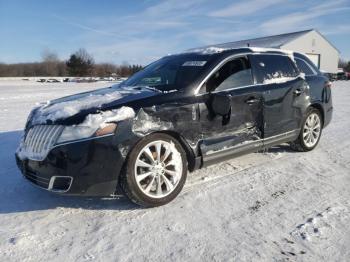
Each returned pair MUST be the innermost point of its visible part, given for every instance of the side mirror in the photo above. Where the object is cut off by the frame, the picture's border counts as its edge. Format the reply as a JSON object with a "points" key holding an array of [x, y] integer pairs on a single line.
{"points": [[221, 104]]}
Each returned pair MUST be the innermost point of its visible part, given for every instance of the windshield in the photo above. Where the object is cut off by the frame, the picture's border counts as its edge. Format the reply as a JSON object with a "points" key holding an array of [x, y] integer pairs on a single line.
{"points": [[170, 73]]}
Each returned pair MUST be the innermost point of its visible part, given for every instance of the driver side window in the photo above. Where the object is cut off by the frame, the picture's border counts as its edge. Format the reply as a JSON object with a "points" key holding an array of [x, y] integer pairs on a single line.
{"points": [[235, 73]]}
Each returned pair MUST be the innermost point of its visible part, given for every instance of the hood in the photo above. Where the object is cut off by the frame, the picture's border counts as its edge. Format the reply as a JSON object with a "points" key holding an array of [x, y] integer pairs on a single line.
{"points": [[87, 103]]}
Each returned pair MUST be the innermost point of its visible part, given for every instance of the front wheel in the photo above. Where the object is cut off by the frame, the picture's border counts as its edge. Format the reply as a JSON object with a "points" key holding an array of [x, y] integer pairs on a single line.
{"points": [[155, 171], [310, 133]]}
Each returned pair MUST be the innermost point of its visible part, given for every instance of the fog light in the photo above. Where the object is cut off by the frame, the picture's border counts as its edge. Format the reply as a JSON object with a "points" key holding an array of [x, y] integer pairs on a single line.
{"points": [[60, 184]]}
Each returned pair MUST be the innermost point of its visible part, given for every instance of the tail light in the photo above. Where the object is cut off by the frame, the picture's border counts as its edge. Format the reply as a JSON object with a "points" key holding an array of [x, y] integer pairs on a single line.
{"points": [[328, 84]]}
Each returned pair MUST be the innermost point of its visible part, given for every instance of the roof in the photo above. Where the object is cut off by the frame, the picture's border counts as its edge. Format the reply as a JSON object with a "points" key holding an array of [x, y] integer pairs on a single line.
{"points": [[274, 41], [211, 50]]}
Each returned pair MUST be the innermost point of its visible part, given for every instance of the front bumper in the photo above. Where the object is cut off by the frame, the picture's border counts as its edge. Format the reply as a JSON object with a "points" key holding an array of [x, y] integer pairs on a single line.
{"points": [[88, 167]]}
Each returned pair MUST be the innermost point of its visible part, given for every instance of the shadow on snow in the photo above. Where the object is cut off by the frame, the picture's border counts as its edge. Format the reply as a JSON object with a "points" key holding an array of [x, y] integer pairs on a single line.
{"points": [[19, 195]]}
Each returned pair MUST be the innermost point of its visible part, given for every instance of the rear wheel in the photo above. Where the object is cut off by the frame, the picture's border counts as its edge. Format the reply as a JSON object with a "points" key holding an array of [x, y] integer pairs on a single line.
{"points": [[310, 133], [155, 171]]}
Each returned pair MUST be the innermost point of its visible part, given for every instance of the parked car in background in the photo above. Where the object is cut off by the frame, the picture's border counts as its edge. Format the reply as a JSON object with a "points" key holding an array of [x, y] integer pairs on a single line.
{"points": [[347, 74], [53, 80], [331, 77], [341, 76], [182, 112]]}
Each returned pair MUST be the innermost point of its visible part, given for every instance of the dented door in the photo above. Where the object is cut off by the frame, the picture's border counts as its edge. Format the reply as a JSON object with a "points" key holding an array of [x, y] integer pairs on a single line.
{"points": [[240, 131], [284, 107], [284, 94]]}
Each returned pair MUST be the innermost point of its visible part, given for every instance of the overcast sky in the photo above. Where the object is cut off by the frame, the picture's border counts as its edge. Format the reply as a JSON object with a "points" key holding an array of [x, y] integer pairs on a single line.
{"points": [[142, 31]]}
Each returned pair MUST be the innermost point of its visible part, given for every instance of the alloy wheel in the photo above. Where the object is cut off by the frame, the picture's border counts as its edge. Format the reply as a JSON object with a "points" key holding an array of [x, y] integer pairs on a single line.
{"points": [[312, 130], [158, 169]]}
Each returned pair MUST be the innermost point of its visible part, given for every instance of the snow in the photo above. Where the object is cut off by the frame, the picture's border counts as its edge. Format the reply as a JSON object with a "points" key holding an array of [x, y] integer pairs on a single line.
{"points": [[100, 120], [279, 77], [69, 108], [278, 80], [175, 160], [276, 205], [93, 122], [214, 50], [207, 50], [28, 94], [264, 49], [145, 123], [85, 129]]}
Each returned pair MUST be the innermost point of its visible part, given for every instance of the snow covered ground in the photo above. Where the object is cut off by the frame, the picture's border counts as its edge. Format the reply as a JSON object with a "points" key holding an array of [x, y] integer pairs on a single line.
{"points": [[277, 205]]}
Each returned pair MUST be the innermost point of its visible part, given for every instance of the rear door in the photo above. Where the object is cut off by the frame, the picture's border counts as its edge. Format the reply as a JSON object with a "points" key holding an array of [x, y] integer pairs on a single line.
{"points": [[284, 95]]}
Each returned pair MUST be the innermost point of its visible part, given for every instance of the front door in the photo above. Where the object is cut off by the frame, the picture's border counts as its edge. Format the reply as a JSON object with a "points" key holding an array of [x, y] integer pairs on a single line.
{"points": [[241, 127]]}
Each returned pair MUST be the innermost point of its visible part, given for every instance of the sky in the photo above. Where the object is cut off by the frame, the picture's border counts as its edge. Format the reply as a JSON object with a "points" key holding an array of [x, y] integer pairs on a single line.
{"points": [[138, 32]]}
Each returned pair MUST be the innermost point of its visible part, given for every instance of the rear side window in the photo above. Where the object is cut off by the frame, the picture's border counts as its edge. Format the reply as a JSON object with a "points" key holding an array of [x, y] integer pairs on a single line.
{"points": [[303, 67], [273, 68]]}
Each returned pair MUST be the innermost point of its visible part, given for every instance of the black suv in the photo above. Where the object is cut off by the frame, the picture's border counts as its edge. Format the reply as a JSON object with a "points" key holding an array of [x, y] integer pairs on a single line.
{"points": [[182, 112]]}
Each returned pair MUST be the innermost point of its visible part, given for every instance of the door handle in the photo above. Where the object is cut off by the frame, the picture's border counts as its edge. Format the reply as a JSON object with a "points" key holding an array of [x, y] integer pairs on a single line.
{"points": [[297, 92], [252, 100]]}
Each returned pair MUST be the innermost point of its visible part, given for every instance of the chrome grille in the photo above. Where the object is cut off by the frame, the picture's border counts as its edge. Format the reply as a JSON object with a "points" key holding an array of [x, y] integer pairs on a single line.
{"points": [[40, 139]]}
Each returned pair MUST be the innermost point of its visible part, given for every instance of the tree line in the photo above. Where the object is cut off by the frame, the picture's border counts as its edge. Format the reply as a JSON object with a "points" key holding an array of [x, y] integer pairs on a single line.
{"points": [[344, 64], [79, 64]]}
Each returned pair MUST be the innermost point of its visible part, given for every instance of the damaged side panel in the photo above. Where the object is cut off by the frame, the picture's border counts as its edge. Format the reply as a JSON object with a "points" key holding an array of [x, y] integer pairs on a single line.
{"points": [[240, 131], [180, 118], [206, 132]]}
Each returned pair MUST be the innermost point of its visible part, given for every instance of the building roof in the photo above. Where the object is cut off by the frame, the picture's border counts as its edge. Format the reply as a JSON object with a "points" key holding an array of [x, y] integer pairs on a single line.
{"points": [[274, 41]]}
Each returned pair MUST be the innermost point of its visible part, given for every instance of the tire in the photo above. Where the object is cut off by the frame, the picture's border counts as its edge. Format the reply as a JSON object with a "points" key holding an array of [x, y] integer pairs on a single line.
{"points": [[308, 132], [144, 171]]}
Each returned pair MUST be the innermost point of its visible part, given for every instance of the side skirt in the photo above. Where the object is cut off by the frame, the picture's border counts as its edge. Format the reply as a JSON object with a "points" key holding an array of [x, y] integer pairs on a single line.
{"points": [[280, 139], [245, 148]]}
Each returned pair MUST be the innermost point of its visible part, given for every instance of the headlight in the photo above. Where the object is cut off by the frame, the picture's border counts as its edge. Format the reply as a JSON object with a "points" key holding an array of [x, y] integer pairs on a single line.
{"points": [[95, 125], [71, 133]]}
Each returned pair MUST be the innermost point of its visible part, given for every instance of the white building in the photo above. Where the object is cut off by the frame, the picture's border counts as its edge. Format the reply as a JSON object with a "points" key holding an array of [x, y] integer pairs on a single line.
{"points": [[310, 42]]}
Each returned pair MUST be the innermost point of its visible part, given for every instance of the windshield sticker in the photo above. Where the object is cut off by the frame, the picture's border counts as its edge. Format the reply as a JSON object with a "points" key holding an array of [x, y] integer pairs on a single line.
{"points": [[194, 63]]}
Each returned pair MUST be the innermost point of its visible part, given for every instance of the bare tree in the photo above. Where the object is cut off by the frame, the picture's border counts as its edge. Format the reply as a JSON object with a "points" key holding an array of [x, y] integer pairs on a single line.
{"points": [[342, 63], [48, 55], [81, 63], [50, 63], [105, 69]]}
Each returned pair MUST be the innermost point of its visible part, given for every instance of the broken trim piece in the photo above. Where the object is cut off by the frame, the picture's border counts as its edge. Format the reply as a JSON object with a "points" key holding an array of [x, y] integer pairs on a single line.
{"points": [[253, 146]]}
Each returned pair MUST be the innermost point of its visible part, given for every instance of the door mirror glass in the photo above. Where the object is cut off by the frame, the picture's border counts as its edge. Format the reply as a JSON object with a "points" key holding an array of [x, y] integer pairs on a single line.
{"points": [[221, 104]]}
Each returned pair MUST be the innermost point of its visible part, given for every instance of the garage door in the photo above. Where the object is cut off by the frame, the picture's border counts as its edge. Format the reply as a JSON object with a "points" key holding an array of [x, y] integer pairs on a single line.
{"points": [[315, 58]]}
